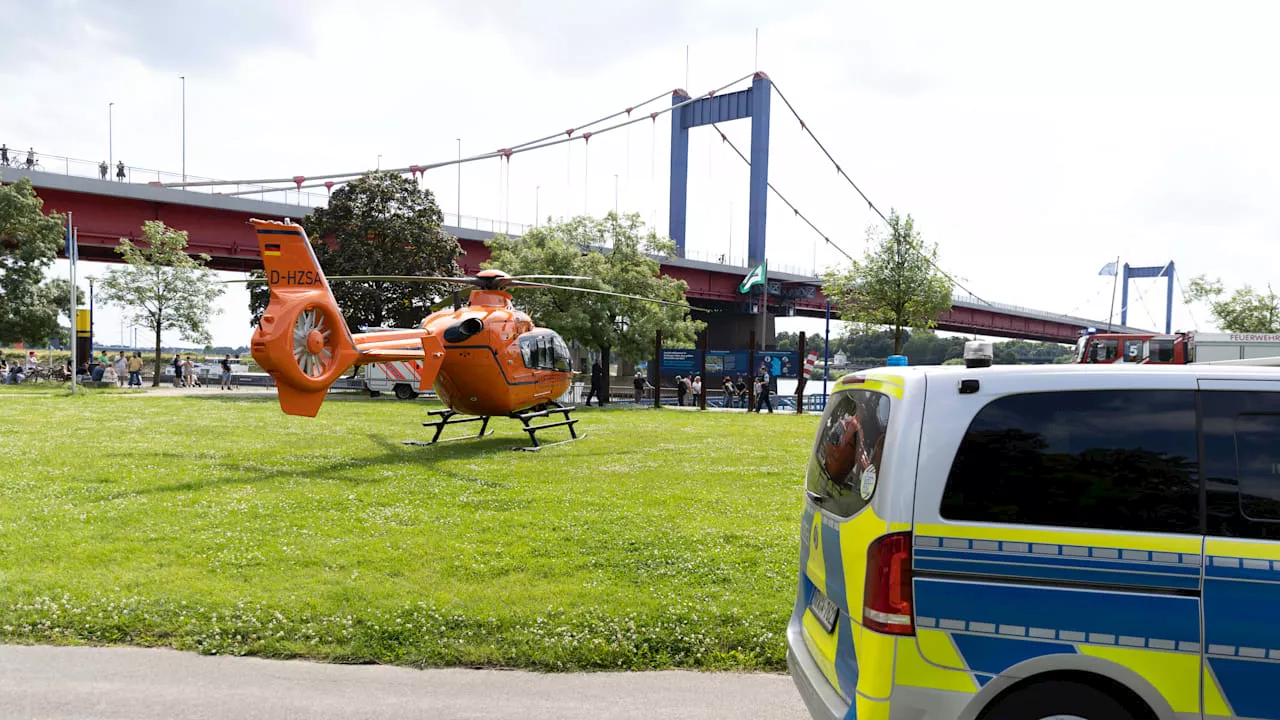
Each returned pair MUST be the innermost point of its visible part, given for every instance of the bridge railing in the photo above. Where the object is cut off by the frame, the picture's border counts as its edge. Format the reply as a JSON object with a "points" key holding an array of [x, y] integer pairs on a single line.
{"points": [[468, 222], [1017, 309], [741, 262], [77, 167]]}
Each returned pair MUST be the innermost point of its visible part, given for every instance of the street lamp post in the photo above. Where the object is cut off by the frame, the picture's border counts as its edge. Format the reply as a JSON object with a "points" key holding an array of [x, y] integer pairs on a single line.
{"points": [[378, 165], [110, 139], [183, 78], [459, 221], [91, 278], [537, 196], [615, 195]]}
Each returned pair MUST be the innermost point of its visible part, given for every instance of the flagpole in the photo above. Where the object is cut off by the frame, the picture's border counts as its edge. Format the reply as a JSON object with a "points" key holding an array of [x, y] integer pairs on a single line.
{"points": [[71, 258], [764, 297], [1115, 279]]}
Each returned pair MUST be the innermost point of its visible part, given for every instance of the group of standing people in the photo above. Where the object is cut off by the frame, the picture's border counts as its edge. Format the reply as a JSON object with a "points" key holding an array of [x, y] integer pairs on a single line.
{"points": [[103, 169], [686, 386], [184, 373], [736, 395], [118, 371], [5, 160]]}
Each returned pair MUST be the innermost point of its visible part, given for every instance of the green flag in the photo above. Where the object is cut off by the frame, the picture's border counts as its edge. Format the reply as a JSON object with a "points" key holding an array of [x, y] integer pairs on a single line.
{"points": [[754, 278]]}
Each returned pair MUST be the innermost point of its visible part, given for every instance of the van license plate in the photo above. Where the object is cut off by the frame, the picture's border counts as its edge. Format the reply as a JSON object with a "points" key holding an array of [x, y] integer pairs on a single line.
{"points": [[824, 610]]}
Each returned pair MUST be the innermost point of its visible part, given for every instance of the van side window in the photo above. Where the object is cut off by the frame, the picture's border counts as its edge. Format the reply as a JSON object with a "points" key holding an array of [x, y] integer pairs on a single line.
{"points": [[1241, 435], [845, 462], [1107, 459], [1258, 455]]}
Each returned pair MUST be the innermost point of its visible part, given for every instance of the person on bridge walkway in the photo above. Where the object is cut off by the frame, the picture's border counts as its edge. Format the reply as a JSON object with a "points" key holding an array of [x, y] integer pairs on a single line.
{"points": [[4, 154], [120, 171], [103, 170], [31, 158], [597, 385]]}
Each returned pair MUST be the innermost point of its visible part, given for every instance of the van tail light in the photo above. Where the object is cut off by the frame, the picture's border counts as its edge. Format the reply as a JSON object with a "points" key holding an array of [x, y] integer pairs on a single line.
{"points": [[887, 593]]}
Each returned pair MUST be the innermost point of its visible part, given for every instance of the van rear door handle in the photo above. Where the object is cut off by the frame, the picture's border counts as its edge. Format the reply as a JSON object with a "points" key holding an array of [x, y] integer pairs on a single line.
{"points": [[816, 497]]}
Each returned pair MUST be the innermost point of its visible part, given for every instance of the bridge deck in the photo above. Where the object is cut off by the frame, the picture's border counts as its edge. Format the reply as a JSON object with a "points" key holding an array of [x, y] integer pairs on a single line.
{"points": [[106, 211]]}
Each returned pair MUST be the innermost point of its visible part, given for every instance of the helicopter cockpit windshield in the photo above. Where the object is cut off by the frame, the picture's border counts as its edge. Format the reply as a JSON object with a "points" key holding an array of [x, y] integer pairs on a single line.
{"points": [[544, 350]]}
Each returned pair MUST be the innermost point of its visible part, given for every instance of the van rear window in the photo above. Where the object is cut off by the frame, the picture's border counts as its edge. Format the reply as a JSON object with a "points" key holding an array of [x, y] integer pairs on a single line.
{"points": [[845, 462], [1114, 460]]}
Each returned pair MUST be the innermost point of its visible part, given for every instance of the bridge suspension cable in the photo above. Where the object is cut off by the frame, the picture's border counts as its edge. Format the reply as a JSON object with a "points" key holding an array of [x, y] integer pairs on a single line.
{"points": [[840, 171], [507, 152], [725, 138], [1186, 303]]}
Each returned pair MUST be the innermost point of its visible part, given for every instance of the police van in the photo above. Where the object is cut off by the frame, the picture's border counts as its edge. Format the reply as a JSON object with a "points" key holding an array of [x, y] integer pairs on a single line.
{"points": [[1024, 543]]}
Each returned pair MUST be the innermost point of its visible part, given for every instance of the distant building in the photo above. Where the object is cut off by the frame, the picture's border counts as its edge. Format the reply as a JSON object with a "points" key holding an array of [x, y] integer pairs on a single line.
{"points": [[840, 359]]}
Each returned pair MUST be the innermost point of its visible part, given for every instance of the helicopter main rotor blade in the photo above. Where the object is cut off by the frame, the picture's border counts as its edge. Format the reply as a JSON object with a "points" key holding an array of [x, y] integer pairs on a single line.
{"points": [[371, 278], [403, 278], [548, 277], [521, 283]]}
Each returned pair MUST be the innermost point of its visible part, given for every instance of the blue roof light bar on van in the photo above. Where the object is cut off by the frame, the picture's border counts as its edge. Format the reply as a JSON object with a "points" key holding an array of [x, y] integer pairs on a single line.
{"points": [[897, 361]]}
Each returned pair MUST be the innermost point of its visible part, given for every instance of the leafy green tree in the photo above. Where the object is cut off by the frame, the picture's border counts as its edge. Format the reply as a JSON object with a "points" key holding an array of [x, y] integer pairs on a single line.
{"points": [[577, 247], [896, 284], [379, 224], [29, 242], [1244, 311], [788, 341], [163, 287]]}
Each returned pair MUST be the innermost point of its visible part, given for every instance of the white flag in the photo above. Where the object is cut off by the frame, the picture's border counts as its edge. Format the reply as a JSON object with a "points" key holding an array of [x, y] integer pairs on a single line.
{"points": [[1108, 269]]}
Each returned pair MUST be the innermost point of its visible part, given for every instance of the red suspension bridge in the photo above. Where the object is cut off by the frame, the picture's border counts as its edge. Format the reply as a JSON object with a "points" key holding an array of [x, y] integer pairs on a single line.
{"points": [[215, 212]]}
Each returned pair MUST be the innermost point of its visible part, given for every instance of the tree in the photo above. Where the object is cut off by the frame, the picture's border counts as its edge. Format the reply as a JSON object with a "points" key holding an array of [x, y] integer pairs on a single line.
{"points": [[608, 323], [163, 287], [379, 224], [1245, 311], [29, 242], [896, 284]]}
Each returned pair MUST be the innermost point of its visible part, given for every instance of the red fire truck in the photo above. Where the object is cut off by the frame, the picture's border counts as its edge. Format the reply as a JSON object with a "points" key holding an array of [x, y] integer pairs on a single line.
{"points": [[1175, 349]]}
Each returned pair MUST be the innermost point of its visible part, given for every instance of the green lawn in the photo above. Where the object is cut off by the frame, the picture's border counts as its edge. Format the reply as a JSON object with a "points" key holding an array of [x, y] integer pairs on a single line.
{"points": [[664, 539]]}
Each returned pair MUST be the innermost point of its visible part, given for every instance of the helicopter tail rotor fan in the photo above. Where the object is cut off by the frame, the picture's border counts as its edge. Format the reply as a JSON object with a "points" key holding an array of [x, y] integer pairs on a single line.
{"points": [[302, 340]]}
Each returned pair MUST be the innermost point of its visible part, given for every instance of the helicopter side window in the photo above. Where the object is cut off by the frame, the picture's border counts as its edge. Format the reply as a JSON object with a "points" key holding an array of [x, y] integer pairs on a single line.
{"points": [[544, 352], [559, 354], [529, 351]]}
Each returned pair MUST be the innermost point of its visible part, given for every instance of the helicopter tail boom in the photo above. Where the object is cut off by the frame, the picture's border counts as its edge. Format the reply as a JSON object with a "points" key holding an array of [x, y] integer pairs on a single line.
{"points": [[302, 339]]}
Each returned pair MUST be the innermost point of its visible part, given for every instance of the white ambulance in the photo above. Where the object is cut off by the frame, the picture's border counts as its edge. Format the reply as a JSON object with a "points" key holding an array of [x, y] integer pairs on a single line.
{"points": [[399, 377]]}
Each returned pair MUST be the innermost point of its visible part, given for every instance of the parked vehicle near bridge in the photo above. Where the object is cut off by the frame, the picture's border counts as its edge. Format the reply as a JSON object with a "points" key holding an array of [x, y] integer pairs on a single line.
{"points": [[1175, 349], [400, 378]]}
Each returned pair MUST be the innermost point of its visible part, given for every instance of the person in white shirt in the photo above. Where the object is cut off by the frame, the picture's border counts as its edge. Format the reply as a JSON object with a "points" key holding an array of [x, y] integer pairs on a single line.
{"points": [[697, 391]]}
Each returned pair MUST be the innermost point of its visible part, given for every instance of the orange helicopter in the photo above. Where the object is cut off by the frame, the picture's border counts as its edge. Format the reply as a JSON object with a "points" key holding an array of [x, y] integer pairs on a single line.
{"points": [[484, 359]]}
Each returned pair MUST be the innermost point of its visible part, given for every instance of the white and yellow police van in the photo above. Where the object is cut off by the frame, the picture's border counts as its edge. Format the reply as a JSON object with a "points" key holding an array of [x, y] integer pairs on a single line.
{"points": [[1024, 543]]}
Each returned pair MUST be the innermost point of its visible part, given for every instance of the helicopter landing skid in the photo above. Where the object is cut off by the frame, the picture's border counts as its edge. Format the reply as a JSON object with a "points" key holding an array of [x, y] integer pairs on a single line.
{"points": [[447, 418], [545, 413]]}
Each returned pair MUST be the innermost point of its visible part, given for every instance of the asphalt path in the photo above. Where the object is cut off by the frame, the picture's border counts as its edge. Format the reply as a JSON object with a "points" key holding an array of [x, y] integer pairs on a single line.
{"points": [[83, 683]]}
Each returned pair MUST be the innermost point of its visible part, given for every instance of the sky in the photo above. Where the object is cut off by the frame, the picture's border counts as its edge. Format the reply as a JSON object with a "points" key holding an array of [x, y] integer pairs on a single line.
{"points": [[1033, 143]]}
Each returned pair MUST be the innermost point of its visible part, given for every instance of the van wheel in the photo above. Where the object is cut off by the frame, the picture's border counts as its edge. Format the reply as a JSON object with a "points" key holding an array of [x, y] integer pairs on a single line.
{"points": [[404, 392], [1057, 700]]}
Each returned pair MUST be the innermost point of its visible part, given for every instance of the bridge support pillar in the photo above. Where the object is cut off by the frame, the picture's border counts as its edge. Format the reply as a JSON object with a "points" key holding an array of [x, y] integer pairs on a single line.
{"points": [[732, 331], [752, 103]]}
